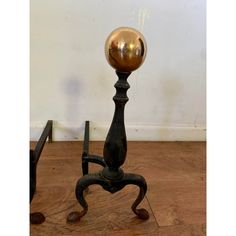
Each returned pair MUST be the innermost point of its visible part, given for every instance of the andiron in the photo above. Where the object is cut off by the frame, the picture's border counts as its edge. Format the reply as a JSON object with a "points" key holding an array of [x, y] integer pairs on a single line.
{"points": [[125, 51], [38, 217]]}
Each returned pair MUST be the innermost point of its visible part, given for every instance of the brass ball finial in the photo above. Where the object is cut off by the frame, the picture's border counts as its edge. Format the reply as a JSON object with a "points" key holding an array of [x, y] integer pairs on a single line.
{"points": [[125, 49]]}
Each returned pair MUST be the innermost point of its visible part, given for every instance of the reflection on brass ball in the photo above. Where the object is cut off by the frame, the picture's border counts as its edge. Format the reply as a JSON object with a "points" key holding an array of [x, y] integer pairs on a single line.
{"points": [[125, 49]]}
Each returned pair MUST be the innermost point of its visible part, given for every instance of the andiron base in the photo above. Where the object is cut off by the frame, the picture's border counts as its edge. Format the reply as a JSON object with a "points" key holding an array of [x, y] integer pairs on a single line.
{"points": [[112, 184]]}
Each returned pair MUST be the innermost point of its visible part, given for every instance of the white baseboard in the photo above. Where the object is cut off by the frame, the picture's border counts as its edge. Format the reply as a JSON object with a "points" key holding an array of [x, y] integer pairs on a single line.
{"points": [[98, 132]]}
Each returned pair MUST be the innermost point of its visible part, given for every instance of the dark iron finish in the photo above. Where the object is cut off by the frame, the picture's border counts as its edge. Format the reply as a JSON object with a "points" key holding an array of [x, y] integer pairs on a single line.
{"points": [[37, 217], [111, 178], [86, 139], [115, 147]]}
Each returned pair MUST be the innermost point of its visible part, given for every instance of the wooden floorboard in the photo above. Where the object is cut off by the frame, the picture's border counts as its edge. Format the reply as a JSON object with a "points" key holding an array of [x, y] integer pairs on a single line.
{"points": [[176, 197]]}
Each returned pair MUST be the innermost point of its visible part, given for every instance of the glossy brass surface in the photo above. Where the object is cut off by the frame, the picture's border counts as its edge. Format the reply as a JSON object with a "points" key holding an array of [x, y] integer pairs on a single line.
{"points": [[125, 49]]}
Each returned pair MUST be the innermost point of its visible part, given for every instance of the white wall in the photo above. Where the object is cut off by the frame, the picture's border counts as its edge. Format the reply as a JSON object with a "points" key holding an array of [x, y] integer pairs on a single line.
{"points": [[71, 81]]}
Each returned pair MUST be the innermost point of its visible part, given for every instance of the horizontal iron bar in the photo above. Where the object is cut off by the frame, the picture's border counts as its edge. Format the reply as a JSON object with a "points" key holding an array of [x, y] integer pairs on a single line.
{"points": [[95, 159]]}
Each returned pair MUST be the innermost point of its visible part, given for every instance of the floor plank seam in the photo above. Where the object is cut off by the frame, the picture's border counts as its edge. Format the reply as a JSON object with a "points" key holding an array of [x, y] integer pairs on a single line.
{"points": [[152, 212]]}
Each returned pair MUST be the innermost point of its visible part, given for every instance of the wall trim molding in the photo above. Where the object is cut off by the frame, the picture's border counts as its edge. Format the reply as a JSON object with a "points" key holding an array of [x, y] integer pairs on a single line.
{"points": [[98, 132]]}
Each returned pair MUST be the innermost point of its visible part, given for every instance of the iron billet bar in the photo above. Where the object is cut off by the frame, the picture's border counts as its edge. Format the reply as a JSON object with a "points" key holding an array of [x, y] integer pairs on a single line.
{"points": [[32, 174], [86, 139], [47, 132], [85, 167], [35, 155], [38, 217]]}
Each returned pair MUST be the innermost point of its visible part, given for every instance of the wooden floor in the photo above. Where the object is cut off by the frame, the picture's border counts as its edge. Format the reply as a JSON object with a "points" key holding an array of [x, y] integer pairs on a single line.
{"points": [[176, 197]]}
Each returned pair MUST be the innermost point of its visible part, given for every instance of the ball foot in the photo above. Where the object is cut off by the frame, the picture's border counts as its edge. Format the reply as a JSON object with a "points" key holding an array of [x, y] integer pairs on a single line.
{"points": [[142, 214], [75, 216], [37, 218]]}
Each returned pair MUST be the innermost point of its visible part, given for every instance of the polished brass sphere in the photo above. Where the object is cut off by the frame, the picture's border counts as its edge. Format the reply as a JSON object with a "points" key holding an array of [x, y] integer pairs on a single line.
{"points": [[125, 49]]}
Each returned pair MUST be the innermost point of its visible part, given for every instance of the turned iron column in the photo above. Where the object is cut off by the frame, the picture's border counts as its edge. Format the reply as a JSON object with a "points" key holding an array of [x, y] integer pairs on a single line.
{"points": [[125, 51], [115, 147]]}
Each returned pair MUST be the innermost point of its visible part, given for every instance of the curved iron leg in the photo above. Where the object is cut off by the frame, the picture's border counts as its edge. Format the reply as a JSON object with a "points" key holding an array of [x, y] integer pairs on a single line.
{"points": [[112, 187], [81, 186], [141, 183]]}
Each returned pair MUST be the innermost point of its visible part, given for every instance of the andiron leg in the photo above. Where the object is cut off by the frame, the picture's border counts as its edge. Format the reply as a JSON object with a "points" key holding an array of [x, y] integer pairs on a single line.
{"points": [[112, 187], [82, 184], [141, 183]]}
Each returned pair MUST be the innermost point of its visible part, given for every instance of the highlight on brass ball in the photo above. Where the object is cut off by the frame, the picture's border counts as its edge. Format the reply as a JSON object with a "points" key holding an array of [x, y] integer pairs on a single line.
{"points": [[125, 49]]}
